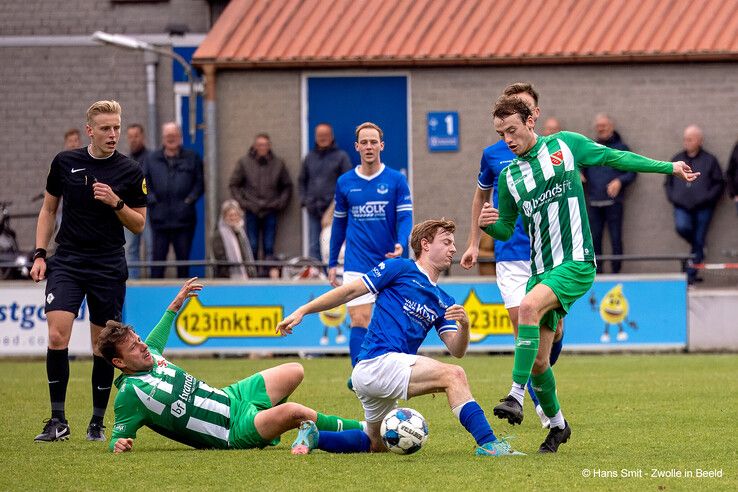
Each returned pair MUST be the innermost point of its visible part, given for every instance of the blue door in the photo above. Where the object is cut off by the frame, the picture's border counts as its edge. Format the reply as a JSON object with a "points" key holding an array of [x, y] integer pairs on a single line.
{"points": [[346, 102]]}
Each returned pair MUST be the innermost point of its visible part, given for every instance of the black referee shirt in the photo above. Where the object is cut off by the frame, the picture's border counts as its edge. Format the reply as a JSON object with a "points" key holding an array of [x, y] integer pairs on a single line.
{"points": [[89, 226]]}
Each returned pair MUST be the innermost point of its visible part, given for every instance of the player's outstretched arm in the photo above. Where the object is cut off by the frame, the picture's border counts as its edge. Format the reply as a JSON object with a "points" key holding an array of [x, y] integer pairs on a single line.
{"points": [[329, 300], [683, 171], [158, 337], [457, 341], [470, 256], [191, 288], [123, 445]]}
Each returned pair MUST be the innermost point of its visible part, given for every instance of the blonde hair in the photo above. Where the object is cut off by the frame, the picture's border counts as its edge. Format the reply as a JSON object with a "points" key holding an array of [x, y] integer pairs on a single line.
{"points": [[102, 107], [369, 124], [427, 230]]}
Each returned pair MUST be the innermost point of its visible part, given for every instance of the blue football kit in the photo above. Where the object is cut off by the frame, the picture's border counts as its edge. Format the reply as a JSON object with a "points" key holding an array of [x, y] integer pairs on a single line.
{"points": [[372, 214], [495, 158], [408, 306]]}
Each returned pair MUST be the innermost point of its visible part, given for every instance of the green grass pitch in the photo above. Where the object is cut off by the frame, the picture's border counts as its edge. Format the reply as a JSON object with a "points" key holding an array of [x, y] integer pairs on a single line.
{"points": [[630, 415]]}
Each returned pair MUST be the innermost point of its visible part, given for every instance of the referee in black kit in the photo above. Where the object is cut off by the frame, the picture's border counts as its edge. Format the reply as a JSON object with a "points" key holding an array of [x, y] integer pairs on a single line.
{"points": [[103, 191]]}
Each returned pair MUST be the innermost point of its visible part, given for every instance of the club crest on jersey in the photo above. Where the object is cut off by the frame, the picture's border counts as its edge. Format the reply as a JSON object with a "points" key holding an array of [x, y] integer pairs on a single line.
{"points": [[557, 158], [382, 188]]}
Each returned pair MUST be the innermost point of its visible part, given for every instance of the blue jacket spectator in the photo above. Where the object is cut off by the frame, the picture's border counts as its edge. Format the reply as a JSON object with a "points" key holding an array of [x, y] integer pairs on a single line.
{"points": [[695, 202], [605, 186], [175, 183]]}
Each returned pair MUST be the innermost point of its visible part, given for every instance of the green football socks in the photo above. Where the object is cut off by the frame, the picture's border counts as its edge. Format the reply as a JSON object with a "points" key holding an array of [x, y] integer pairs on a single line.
{"points": [[545, 387], [526, 349], [333, 423]]}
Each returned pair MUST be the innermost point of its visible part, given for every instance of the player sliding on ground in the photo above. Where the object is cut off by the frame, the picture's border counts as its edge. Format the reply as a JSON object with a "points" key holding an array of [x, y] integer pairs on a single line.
{"points": [[542, 184], [409, 304], [153, 392]]}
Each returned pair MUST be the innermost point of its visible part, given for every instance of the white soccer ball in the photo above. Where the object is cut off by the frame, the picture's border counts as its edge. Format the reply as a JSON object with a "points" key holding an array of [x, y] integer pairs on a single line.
{"points": [[404, 431]]}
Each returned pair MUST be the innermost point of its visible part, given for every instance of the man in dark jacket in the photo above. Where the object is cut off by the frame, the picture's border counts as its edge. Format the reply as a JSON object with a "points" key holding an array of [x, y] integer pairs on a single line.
{"points": [[175, 183], [605, 190], [320, 171], [695, 202], [733, 176], [138, 152], [262, 186]]}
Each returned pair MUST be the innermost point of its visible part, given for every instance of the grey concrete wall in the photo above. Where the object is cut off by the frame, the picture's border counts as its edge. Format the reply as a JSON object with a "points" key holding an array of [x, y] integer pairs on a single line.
{"points": [[75, 17], [652, 104], [256, 102]]}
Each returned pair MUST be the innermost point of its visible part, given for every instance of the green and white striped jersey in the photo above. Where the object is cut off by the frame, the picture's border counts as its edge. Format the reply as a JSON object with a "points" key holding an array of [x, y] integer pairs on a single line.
{"points": [[544, 186], [170, 401]]}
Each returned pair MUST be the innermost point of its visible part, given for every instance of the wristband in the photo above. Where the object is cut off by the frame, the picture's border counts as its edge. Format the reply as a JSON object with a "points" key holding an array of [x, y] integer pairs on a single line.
{"points": [[119, 205], [39, 253]]}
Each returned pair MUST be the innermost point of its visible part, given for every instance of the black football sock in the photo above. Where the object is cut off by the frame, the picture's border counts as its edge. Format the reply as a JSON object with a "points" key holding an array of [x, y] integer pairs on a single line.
{"points": [[57, 373], [102, 380]]}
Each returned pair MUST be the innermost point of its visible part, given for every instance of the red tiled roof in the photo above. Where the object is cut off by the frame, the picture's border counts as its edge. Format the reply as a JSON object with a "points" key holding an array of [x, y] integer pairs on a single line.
{"points": [[345, 33]]}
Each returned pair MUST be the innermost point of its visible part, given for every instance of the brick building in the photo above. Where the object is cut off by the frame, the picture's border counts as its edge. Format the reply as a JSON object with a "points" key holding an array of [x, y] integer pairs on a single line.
{"points": [[52, 71], [637, 61]]}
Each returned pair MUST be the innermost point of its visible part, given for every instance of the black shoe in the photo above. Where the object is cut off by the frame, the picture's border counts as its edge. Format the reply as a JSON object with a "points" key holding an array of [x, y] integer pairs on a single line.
{"points": [[54, 430], [555, 438], [509, 409], [95, 432]]}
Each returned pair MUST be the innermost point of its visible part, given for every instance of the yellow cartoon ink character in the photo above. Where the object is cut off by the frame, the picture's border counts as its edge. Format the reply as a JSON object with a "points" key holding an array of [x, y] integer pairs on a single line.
{"points": [[613, 311], [333, 318]]}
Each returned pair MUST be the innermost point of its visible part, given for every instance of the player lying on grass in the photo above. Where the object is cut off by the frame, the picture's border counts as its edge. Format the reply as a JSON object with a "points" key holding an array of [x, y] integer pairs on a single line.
{"points": [[155, 393], [542, 184], [409, 304]]}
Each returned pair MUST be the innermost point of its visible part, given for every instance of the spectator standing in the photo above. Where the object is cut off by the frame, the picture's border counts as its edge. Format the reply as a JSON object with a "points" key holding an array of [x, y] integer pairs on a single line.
{"points": [[137, 151], [733, 176], [551, 125], [605, 186], [72, 139], [320, 171], [262, 187], [175, 183], [229, 243], [695, 202]]}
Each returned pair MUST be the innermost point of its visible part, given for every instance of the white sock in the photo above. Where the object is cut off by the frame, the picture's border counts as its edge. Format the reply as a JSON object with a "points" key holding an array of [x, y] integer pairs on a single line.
{"points": [[457, 409], [517, 391], [557, 420]]}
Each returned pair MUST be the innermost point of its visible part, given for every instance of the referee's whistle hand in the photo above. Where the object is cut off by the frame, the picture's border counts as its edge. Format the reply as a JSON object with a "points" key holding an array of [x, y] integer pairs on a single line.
{"points": [[104, 193]]}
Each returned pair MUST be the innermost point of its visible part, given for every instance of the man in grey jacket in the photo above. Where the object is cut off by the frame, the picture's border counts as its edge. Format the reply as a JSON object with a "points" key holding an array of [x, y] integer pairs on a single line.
{"points": [[262, 186], [320, 171]]}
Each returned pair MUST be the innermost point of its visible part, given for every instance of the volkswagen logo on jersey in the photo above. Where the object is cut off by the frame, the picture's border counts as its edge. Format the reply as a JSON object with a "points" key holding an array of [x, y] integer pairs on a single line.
{"points": [[382, 188]]}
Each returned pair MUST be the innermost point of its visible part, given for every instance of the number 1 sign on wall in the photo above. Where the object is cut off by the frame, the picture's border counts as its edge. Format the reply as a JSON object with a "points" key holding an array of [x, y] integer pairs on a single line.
{"points": [[443, 131]]}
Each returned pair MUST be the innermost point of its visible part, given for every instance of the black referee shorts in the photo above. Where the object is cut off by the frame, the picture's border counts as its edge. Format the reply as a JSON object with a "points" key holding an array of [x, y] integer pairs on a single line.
{"points": [[102, 279]]}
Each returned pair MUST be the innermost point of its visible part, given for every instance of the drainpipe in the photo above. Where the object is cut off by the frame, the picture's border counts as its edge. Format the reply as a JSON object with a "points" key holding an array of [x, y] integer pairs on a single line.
{"points": [[212, 203], [152, 60]]}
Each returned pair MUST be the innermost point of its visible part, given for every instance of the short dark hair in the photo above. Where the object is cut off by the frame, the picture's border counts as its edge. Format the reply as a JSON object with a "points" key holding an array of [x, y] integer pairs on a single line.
{"points": [[262, 135], [139, 126], [427, 230], [72, 131], [521, 88], [509, 105], [109, 338]]}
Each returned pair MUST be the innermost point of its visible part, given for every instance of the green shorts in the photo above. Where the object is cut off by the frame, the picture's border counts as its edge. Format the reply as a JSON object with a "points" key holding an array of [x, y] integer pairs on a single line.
{"points": [[248, 397], [568, 281]]}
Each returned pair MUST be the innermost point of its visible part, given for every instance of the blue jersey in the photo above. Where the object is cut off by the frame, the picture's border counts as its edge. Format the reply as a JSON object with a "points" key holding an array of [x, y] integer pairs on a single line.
{"points": [[408, 306], [373, 213], [495, 158]]}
